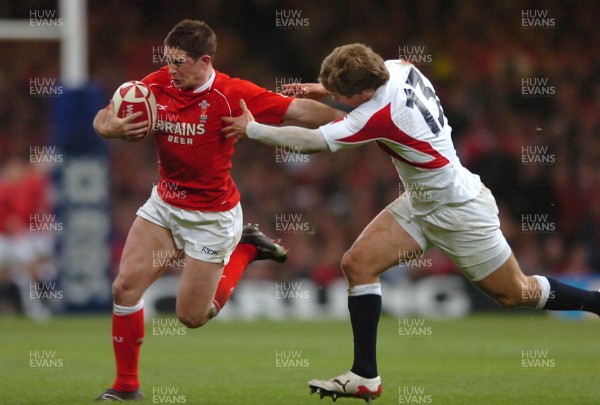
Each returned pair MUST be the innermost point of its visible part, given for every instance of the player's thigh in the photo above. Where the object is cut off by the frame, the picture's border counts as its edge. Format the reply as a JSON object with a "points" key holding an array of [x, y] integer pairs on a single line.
{"points": [[197, 286], [209, 236], [148, 250], [381, 245], [469, 234]]}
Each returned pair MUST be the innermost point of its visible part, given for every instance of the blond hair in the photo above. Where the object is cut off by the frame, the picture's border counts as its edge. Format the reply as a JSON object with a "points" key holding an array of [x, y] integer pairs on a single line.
{"points": [[352, 69]]}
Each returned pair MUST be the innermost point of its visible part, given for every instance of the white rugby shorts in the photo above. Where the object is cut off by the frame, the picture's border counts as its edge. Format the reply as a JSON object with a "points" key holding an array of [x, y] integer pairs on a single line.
{"points": [[468, 233], [203, 235]]}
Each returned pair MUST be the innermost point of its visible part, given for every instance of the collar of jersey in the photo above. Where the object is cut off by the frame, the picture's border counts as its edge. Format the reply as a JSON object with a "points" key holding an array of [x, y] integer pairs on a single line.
{"points": [[206, 85]]}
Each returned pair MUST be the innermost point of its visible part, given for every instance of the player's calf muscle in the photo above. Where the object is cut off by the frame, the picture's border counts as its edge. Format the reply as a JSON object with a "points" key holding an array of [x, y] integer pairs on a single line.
{"points": [[199, 281], [510, 287]]}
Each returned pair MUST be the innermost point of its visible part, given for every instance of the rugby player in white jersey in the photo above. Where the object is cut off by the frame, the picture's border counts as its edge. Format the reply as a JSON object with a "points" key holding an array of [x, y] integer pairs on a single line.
{"points": [[445, 205]]}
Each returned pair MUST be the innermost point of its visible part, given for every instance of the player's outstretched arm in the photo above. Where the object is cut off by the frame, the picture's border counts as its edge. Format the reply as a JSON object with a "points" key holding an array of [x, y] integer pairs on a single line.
{"points": [[303, 139], [310, 114], [108, 125]]}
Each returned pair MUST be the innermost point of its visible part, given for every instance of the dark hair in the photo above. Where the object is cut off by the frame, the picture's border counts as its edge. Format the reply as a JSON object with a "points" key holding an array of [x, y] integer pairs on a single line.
{"points": [[194, 37], [352, 69]]}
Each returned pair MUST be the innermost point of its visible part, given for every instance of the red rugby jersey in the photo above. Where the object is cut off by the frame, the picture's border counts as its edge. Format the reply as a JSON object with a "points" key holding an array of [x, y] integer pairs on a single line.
{"points": [[194, 157]]}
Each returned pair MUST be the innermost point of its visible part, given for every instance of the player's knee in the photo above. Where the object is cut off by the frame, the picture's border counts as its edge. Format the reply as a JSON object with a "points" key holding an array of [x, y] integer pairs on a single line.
{"points": [[123, 292], [352, 266]]}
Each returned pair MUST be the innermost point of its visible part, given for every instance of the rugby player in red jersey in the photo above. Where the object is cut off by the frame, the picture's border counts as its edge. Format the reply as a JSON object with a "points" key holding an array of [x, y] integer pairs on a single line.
{"points": [[195, 208], [444, 205]]}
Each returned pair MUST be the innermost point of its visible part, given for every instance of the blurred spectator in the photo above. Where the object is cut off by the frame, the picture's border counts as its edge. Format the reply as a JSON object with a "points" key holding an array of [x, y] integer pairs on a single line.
{"points": [[26, 236]]}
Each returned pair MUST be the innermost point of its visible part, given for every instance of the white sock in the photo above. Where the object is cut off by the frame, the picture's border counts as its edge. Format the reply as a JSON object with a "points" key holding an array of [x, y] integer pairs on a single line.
{"points": [[544, 291], [365, 289], [120, 310]]}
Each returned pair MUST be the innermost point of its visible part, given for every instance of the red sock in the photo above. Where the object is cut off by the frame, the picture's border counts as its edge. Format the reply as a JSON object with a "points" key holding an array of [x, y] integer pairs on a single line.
{"points": [[239, 260], [128, 335]]}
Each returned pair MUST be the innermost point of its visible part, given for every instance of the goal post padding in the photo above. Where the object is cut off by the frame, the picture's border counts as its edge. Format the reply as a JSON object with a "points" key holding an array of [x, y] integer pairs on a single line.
{"points": [[83, 201]]}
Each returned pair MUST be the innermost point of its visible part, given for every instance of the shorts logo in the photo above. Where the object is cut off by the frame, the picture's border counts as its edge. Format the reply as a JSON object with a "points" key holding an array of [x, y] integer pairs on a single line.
{"points": [[210, 251]]}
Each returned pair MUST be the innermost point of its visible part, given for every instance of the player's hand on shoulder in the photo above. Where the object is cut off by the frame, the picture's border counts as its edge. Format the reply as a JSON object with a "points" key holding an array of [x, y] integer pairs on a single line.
{"points": [[108, 125], [313, 91], [237, 127]]}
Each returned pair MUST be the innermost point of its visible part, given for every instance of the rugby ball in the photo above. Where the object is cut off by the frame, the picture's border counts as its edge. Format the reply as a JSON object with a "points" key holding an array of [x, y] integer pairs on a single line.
{"points": [[134, 96]]}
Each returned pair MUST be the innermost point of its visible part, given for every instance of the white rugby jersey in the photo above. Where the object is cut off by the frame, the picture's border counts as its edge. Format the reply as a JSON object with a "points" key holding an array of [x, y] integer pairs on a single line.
{"points": [[405, 118]]}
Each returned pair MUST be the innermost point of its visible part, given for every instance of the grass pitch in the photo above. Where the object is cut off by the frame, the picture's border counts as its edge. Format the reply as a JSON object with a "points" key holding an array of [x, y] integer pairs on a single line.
{"points": [[508, 359]]}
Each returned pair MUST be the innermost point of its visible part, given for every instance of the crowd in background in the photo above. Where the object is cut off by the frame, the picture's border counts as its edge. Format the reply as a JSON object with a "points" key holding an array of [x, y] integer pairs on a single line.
{"points": [[538, 153]]}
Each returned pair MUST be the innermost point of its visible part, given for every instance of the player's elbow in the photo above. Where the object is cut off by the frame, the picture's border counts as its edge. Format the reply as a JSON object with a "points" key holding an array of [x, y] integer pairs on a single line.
{"points": [[313, 142]]}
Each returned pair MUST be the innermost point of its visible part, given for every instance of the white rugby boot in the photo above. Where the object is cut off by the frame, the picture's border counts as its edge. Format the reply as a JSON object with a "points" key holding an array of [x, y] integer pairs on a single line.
{"points": [[347, 385]]}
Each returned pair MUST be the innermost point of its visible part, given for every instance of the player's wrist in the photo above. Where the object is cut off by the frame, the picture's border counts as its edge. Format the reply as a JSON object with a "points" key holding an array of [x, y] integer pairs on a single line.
{"points": [[253, 130]]}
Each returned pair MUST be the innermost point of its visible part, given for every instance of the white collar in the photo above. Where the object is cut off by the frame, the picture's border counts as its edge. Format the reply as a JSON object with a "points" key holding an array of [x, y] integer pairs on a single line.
{"points": [[207, 85]]}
